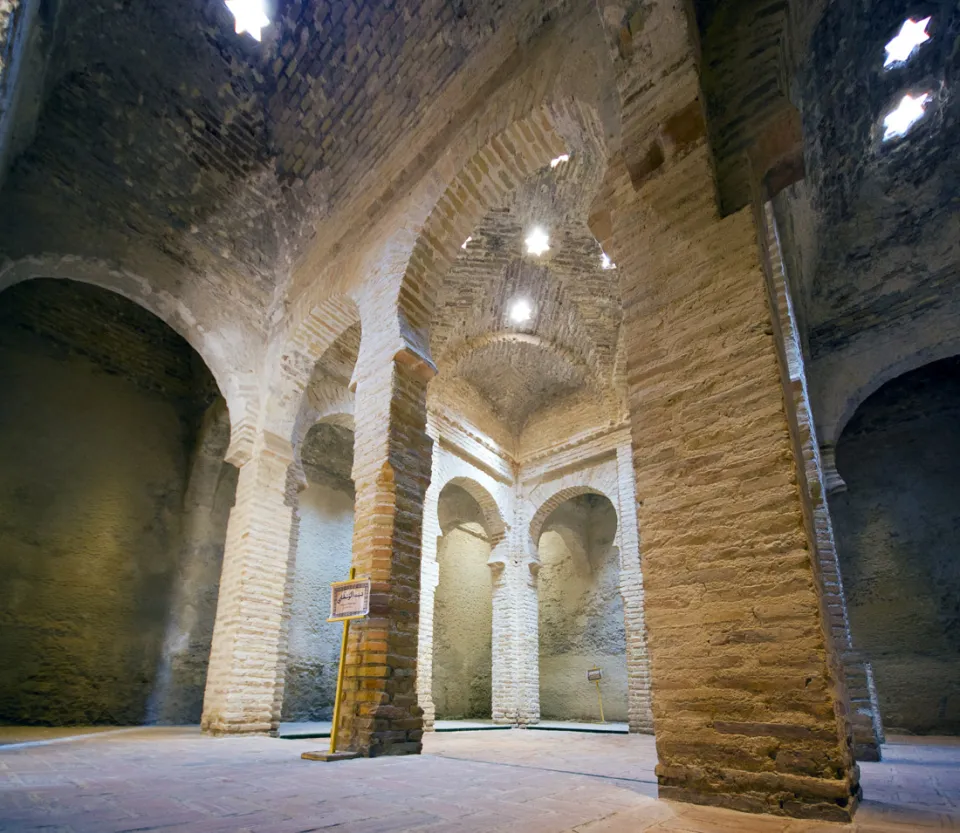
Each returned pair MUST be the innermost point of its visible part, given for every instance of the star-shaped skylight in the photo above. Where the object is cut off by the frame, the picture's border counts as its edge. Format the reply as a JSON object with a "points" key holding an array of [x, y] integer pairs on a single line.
{"points": [[911, 35], [538, 241], [906, 114], [250, 15]]}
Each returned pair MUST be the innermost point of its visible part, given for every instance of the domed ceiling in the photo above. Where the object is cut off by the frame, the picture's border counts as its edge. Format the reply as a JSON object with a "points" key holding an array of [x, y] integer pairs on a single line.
{"points": [[567, 347]]}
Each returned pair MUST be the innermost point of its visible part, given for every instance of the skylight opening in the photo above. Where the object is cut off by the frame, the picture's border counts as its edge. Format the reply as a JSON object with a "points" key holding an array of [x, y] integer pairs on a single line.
{"points": [[563, 157], [465, 243], [520, 311], [605, 262], [911, 36], [905, 115], [250, 16], [538, 241]]}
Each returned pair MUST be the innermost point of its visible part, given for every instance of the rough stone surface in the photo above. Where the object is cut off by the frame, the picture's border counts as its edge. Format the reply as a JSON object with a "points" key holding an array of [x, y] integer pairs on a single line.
{"points": [[896, 528], [463, 616], [323, 556], [104, 520], [581, 613]]}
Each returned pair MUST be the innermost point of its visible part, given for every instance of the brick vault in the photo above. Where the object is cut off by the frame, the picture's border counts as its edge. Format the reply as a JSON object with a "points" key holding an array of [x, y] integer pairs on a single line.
{"points": [[274, 308]]}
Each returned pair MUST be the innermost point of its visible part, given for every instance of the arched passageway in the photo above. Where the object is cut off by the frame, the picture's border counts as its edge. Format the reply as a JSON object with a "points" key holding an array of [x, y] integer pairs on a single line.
{"points": [[898, 525], [463, 610], [324, 552], [581, 620], [114, 498]]}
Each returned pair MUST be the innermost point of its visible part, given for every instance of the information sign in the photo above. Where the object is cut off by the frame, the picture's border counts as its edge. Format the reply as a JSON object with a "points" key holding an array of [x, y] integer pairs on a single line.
{"points": [[594, 675], [349, 600]]}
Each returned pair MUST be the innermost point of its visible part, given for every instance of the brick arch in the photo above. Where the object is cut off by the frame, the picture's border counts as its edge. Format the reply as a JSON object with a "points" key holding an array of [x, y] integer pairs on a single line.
{"points": [[483, 182], [558, 499], [236, 385], [492, 516], [299, 354], [588, 365], [887, 374], [328, 402]]}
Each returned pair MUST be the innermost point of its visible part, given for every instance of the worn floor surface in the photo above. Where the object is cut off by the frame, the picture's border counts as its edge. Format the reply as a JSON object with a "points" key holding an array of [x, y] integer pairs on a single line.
{"points": [[176, 780]]}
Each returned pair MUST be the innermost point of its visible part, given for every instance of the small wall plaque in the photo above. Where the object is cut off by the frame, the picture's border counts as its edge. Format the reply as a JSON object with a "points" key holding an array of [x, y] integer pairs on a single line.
{"points": [[594, 675], [349, 600]]}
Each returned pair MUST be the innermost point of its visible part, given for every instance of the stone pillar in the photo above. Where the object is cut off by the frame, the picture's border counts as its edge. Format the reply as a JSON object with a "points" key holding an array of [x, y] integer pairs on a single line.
{"points": [[639, 712], [380, 714], [246, 663], [748, 701]]}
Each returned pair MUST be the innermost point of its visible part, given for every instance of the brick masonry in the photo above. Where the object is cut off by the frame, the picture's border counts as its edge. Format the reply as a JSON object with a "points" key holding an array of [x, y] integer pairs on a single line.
{"points": [[240, 195]]}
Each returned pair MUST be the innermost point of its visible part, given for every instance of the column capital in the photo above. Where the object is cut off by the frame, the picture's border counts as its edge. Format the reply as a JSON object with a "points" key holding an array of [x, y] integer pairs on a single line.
{"points": [[832, 481]]}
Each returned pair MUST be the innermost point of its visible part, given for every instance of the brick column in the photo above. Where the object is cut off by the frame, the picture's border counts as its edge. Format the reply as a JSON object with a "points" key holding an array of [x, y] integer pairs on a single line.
{"points": [[380, 714], [429, 579], [523, 581], [748, 703], [244, 679], [639, 713], [504, 703]]}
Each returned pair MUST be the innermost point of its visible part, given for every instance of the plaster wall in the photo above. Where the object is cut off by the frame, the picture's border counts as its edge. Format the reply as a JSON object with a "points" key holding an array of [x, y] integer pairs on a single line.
{"points": [[897, 536], [323, 555], [581, 618], [95, 460], [463, 625]]}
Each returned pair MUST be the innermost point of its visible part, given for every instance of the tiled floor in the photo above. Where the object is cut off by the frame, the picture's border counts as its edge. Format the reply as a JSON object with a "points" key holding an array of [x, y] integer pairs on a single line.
{"points": [[176, 780]]}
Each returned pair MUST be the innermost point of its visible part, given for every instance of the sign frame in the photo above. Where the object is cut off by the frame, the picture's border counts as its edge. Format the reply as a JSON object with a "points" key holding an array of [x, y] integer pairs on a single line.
{"points": [[339, 588]]}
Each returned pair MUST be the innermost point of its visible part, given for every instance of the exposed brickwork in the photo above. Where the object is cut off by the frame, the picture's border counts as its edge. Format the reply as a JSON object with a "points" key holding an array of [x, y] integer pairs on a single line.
{"points": [[243, 693], [864, 709], [716, 433], [391, 472]]}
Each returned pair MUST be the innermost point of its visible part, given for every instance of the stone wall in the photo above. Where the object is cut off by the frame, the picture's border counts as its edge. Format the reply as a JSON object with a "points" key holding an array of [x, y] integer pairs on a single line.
{"points": [[897, 530], [581, 612], [463, 620], [97, 421], [323, 555]]}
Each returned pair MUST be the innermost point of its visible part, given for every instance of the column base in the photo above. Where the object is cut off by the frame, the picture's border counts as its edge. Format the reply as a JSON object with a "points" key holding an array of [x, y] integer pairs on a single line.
{"points": [[330, 757], [219, 729], [761, 792]]}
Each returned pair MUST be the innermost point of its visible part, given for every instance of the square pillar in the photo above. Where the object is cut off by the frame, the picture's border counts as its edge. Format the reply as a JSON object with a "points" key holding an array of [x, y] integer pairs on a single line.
{"points": [[380, 714], [244, 689], [748, 700], [639, 712]]}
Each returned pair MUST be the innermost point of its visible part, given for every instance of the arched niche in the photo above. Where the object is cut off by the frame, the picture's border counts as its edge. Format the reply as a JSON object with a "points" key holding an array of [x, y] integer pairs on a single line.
{"points": [[580, 609], [321, 489], [462, 672], [324, 551], [115, 497], [897, 528]]}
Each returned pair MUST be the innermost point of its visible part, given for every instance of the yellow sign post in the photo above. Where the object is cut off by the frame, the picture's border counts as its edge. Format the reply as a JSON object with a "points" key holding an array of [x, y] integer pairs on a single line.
{"points": [[349, 600], [594, 675]]}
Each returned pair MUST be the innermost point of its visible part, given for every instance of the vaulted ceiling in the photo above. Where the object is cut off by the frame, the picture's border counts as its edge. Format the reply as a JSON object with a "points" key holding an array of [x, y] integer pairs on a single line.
{"points": [[568, 346]]}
